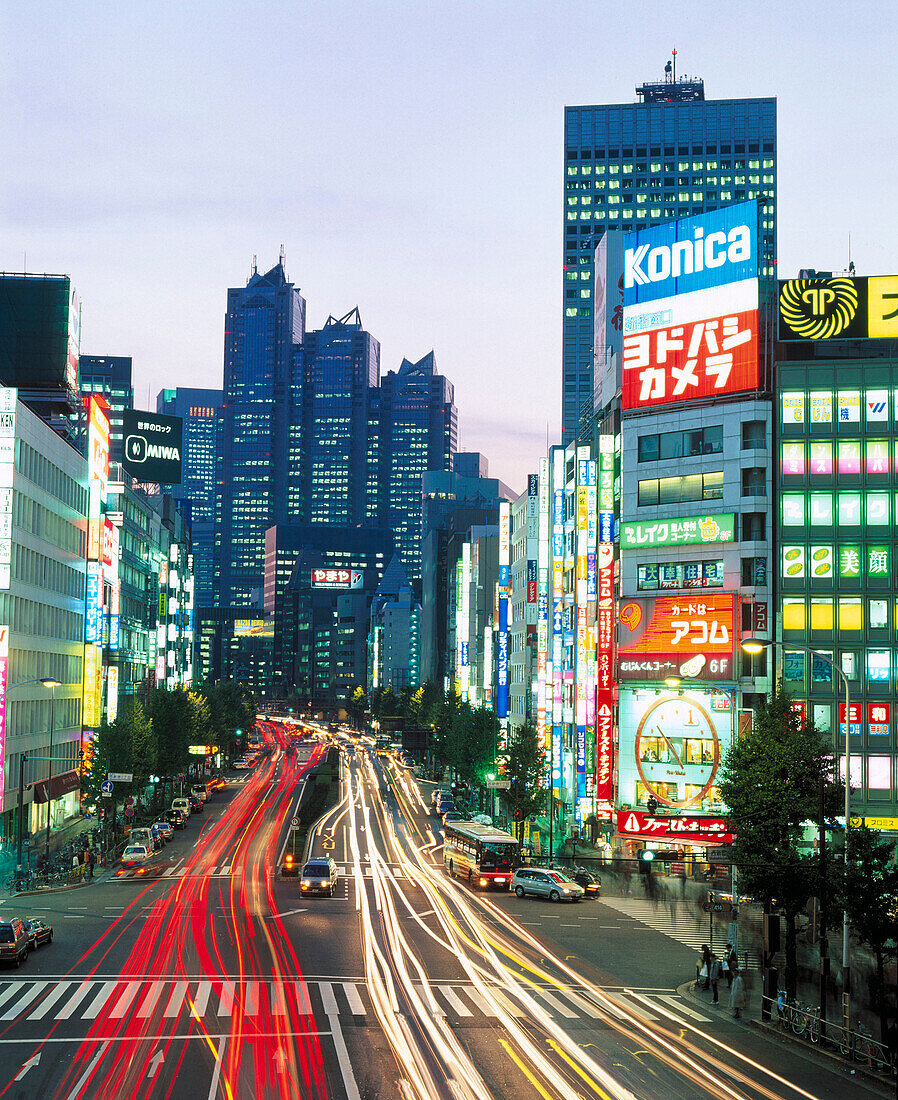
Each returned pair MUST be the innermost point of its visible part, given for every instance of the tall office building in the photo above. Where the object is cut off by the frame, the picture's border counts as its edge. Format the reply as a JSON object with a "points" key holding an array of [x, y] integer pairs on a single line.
{"points": [[417, 432], [110, 375], [341, 369], [260, 454], [195, 496], [630, 165]]}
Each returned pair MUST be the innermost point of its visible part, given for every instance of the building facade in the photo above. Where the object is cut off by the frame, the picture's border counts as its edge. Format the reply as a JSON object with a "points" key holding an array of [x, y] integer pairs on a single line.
{"points": [[631, 165], [109, 376], [394, 639]]}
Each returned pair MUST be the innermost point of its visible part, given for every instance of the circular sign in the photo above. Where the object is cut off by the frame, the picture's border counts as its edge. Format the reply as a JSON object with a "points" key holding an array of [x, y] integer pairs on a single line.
{"points": [[677, 740], [294, 821], [129, 811]]}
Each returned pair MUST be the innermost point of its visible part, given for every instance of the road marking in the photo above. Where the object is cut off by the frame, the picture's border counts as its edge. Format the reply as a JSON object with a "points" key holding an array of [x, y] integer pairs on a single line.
{"points": [[176, 1000], [88, 1073], [327, 999], [150, 1000], [278, 1000], [26, 1066], [216, 1073], [226, 1003], [24, 1001], [77, 997], [586, 1006], [356, 1006], [680, 1007], [454, 1001], [557, 1005], [124, 1002], [251, 999], [49, 1001], [201, 1000], [98, 1002]]}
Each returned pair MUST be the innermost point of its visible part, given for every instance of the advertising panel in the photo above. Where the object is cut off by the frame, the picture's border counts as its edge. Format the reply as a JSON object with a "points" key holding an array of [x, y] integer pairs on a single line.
{"points": [[690, 316], [678, 532], [73, 342], [676, 830], [4, 660], [152, 446], [253, 628], [338, 578], [608, 302], [8, 397], [604, 788], [671, 745], [98, 445], [502, 660], [677, 636], [840, 307], [504, 542]]}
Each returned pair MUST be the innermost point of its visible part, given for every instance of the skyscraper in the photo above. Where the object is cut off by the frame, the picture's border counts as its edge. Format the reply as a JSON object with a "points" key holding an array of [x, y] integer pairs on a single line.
{"points": [[631, 165], [341, 369], [110, 375], [260, 455], [418, 432], [195, 496]]}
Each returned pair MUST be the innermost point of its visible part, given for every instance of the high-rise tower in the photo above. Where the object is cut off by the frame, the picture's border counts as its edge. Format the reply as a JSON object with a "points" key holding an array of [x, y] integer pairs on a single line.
{"points": [[630, 165]]}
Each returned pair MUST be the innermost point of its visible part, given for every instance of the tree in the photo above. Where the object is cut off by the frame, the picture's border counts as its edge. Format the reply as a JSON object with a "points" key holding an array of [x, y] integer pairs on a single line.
{"points": [[525, 768], [871, 897], [772, 779], [356, 704], [143, 745], [171, 717]]}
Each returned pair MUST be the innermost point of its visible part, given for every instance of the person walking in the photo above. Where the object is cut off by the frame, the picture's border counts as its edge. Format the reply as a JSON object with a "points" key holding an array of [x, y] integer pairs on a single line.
{"points": [[91, 860], [715, 971], [705, 972], [732, 964], [737, 995]]}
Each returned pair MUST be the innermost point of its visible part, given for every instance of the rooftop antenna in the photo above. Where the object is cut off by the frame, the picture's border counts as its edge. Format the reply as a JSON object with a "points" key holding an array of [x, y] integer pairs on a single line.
{"points": [[851, 268], [674, 56], [255, 264], [282, 257]]}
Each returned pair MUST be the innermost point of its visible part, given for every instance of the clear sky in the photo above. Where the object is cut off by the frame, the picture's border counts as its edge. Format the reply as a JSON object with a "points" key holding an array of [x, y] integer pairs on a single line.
{"points": [[408, 155]]}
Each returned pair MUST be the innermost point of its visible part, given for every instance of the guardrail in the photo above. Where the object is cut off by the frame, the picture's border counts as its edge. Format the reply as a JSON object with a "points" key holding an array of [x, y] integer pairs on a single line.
{"points": [[805, 1023]]}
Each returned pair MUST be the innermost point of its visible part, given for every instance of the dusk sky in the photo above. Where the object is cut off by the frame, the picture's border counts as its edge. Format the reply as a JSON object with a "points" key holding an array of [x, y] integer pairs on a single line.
{"points": [[409, 158]]}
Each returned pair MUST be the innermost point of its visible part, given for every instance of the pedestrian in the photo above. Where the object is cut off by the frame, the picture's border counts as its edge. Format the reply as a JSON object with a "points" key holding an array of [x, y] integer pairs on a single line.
{"points": [[705, 972], [91, 860], [732, 964], [737, 995], [715, 972]]}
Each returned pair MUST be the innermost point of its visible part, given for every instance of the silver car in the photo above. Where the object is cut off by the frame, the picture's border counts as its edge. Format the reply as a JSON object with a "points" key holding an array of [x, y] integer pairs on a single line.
{"points": [[319, 876], [545, 883]]}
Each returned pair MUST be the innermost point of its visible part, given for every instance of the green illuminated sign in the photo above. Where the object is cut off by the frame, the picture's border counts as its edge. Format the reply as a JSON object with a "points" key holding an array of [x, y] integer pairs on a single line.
{"points": [[678, 532]]}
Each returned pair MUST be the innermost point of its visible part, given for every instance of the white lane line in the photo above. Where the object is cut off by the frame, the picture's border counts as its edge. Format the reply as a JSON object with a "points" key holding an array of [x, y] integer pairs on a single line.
{"points": [[22, 1003], [642, 1011], [328, 1000], [49, 1001], [216, 1073], [150, 1000], [201, 1000], [124, 1002], [88, 1073], [97, 1004], [558, 1006], [74, 1002], [251, 999], [455, 1002], [680, 1007], [349, 1083], [226, 1003], [278, 999], [586, 1006], [176, 1000], [356, 1005]]}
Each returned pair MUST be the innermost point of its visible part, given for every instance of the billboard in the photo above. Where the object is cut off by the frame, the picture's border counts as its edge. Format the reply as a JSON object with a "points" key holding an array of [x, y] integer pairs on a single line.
{"points": [[152, 446], [829, 308], [671, 745], [677, 636], [8, 397], [690, 316], [253, 628], [338, 578], [690, 530], [608, 297], [674, 830]]}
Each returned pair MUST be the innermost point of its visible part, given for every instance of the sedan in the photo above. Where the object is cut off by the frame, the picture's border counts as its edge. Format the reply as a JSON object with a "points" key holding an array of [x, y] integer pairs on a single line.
{"points": [[176, 819], [592, 884], [38, 932], [135, 854], [196, 804]]}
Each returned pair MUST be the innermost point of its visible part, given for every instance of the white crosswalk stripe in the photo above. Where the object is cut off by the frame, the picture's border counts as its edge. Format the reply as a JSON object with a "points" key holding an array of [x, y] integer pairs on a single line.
{"points": [[681, 928], [169, 998]]}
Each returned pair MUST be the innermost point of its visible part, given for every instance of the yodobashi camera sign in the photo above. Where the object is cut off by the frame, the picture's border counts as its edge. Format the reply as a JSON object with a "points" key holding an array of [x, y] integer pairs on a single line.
{"points": [[152, 450]]}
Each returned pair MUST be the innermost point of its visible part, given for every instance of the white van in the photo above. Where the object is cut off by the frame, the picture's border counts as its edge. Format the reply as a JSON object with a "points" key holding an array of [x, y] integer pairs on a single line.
{"points": [[182, 804]]}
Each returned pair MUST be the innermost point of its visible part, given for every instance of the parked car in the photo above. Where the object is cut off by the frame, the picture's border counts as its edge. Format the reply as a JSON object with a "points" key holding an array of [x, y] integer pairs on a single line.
{"points": [[200, 791], [176, 819], [38, 932], [165, 829], [196, 804], [182, 804], [592, 884], [135, 854], [319, 876], [14, 942], [452, 815], [545, 883]]}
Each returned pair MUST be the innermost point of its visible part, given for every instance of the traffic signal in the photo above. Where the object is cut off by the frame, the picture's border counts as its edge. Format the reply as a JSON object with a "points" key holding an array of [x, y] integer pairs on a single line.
{"points": [[652, 805], [646, 859]]}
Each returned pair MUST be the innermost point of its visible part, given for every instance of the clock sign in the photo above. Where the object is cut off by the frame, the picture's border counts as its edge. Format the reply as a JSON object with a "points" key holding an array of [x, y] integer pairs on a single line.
{"points": [[677, 744]]}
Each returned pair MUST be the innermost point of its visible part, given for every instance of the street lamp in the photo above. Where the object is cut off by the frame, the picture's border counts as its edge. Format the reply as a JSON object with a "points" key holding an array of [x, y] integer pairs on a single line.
{"points": [[758, 645]]}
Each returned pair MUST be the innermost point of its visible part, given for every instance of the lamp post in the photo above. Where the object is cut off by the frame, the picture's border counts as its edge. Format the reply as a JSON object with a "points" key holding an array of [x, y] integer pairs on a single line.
{"points": [[758, 645], [48, 682]]}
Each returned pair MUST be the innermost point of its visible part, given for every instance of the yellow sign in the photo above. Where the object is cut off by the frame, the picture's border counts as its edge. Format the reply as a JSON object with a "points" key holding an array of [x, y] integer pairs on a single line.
{"points": [[884, 824], [882, 306]]}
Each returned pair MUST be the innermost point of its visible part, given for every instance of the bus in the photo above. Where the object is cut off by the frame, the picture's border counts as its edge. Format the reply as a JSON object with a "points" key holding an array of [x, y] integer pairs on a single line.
{"points": [[483, 854]]}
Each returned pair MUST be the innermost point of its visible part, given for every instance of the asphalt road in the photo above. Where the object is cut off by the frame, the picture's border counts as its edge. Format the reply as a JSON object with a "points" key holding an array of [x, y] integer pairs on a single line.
{"points": [[208, 976]]}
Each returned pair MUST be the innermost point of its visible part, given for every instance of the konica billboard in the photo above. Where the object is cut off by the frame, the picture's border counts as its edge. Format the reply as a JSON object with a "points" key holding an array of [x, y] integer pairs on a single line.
{"points": [[690, 325]]}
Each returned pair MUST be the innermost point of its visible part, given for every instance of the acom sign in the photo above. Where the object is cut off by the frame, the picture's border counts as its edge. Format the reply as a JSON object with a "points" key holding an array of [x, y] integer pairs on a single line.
{"points": [[153, 445]]}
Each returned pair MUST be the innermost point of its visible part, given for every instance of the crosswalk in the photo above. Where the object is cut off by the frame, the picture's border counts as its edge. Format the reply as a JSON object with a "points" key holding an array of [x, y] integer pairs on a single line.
{"points": [[174, 870], [46, 1000], [677, 925]]}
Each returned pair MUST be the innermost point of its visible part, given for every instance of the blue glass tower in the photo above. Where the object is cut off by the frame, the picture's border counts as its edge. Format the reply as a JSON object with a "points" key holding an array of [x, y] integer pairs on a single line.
{"points": [[630, 165]]}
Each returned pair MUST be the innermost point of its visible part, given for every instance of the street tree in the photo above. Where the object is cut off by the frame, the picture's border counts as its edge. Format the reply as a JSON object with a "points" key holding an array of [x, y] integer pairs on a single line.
{"points": [[871, 897], [772, 779], [525, 768], [170, 712], [356, 704]]}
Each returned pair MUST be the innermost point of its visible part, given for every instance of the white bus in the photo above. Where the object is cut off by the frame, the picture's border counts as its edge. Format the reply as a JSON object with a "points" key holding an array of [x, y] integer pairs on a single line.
{"points": [[483, 854]]}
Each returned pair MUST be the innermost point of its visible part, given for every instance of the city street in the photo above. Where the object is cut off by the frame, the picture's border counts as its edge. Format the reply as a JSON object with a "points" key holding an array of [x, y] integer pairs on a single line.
{"points": [[214, 979]]}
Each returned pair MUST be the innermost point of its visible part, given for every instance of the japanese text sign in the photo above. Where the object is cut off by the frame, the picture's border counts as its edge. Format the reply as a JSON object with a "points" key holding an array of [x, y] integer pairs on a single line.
{"points": [[671, 636], [678, 532]]}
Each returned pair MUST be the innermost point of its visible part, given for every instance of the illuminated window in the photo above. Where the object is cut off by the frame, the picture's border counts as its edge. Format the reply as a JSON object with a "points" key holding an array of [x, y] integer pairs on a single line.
{"points": [[879, 615], [821, 614], [879, 773], [851, 613], [793, 509], [821, 510], [878, 664], [793, 614], [849, 456]]}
